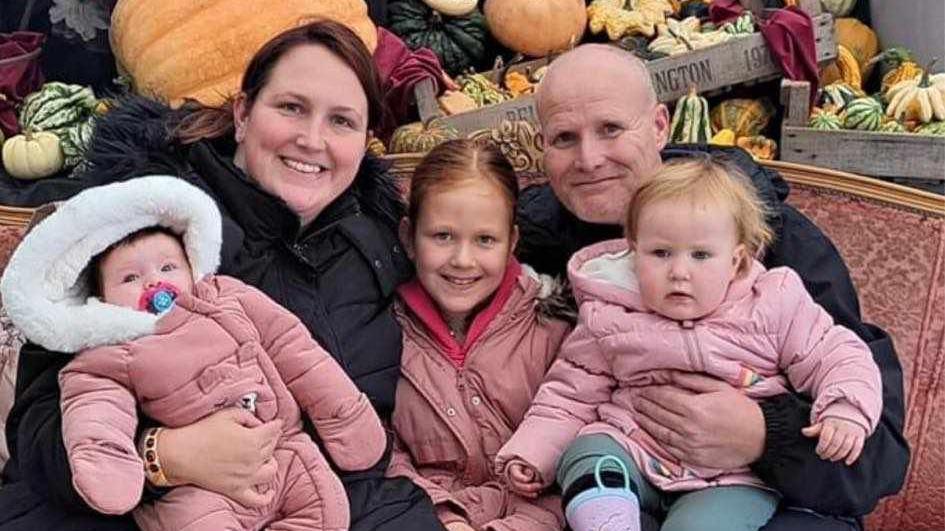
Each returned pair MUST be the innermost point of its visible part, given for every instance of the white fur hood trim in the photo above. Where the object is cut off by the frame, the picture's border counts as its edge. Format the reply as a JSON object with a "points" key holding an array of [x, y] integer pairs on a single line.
{"points": [[44, 288]]}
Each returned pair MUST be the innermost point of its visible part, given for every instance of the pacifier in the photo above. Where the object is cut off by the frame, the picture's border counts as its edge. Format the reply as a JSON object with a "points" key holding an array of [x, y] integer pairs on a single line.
{"points": [[158, 298]]}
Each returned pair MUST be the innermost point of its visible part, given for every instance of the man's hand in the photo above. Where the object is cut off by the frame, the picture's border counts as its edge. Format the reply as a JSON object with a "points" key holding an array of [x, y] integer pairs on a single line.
{"points": [[523, 479], [701, 420], [840, 439]]}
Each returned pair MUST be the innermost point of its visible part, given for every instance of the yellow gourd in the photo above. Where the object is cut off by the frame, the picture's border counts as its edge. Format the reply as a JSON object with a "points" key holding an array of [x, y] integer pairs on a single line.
{"points": [[725, 137], [860, 40], [32, 155], [919, 100], [849, 67], [176, 49]]}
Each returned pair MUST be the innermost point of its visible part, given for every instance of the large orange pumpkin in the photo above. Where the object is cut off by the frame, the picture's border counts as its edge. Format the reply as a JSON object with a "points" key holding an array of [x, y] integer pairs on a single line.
{"points": [[174, 49], [536, 27]]}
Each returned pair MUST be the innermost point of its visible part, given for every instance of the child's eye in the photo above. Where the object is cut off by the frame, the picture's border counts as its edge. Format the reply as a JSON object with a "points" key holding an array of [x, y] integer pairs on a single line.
{"points": [[486, 240], [168, 267], [701, 255], [131, 277], [660, 253]]}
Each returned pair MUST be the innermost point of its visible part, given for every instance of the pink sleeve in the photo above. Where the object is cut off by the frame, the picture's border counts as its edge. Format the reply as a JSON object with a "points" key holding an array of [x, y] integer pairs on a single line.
{"points": [[825, 360], [577, 383], [347, 424], [99, 418], [401, 465]]}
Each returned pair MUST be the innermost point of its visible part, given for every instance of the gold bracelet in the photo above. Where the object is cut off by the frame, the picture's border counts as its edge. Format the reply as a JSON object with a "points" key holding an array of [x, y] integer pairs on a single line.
{"points": [[152, 461]]}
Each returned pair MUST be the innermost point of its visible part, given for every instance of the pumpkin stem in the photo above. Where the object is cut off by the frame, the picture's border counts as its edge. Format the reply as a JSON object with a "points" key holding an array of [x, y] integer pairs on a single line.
{"points": [[924, 83]]}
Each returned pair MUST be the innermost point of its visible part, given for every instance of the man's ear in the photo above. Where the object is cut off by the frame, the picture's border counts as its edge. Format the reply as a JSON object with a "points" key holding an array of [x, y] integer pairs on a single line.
{"points": [[661, 123], [405, 231]]}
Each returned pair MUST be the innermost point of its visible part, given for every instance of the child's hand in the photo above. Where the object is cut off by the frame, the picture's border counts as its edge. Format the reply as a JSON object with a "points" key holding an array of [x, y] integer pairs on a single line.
{"points": [[523, 479], [459, 526], [840, 439]]}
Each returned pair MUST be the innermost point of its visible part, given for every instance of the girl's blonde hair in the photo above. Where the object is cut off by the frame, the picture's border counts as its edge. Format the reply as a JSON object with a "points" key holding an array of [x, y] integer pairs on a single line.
{"points": [[707, 180]]}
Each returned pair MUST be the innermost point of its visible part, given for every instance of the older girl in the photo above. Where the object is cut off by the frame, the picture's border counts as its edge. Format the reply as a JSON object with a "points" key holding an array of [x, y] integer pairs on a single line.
{"points": [[477, 340]]}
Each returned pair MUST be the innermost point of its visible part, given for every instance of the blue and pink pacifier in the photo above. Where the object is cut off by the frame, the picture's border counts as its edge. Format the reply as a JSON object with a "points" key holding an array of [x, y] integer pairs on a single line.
{"points": [[159, 298]]}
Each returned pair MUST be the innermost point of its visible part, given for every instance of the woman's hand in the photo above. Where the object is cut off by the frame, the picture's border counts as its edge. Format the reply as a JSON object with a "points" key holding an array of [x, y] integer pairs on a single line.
{"points": [[701, 420], [523, 479], [228, 452]]}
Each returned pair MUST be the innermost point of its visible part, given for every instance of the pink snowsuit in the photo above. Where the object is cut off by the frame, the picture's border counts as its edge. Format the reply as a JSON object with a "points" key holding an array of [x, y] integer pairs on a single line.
{"points": [[452, 417], [768, 332], [225, 344]]}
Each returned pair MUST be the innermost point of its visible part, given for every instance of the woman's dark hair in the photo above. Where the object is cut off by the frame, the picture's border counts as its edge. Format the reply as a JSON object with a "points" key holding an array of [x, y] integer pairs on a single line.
{"points": [[94, 269], [458, 161], [201, 122]]}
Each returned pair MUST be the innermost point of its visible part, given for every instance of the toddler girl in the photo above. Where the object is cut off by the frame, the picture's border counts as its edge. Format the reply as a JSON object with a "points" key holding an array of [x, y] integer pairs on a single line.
{"points": [[684, 292], [124, 274], [478, 340]]}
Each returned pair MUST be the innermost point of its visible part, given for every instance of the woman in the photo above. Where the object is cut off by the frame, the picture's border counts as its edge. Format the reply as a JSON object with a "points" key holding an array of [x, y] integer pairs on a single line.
{"points": [[309, 220]]}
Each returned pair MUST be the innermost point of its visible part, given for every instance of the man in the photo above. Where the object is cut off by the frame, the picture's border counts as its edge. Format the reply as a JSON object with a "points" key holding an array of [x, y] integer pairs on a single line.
{"points": [[604, 132]]}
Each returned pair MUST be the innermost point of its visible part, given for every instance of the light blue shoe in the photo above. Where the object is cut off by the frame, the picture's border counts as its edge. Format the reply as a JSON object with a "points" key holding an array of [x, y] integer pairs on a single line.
{"points": [[605, 508]]}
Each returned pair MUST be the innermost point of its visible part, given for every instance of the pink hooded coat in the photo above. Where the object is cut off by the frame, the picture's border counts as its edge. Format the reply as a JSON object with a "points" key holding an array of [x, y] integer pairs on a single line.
{"points": [[452, 417], [768, 332], [225, 344]]}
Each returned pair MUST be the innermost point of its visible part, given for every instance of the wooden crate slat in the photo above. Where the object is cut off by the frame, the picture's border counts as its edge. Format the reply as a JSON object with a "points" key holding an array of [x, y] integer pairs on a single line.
{"points": [[902, 155], [740, 60]]}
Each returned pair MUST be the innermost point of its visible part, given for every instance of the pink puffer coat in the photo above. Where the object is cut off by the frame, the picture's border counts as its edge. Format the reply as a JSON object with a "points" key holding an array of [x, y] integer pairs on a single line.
{"points": [[767, 333], [452, 417]]}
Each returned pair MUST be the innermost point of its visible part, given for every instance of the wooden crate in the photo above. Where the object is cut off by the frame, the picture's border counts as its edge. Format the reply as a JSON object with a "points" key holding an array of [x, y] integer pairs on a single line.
{"points": [[741, 60], [895, 155]]}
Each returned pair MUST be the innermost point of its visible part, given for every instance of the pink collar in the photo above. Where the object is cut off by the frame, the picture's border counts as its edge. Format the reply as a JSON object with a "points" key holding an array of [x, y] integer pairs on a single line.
{"points": [[421, 304]]}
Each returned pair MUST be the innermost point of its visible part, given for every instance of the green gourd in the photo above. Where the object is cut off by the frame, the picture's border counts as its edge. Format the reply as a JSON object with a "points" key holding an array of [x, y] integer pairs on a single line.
{"points": [[691, 123], [67, 111], [865, 114], [459, 42]]}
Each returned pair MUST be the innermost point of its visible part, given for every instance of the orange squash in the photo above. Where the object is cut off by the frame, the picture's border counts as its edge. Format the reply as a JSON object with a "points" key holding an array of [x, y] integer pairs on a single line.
{"points": [[536, 27], [860, 39], [176, 49]]}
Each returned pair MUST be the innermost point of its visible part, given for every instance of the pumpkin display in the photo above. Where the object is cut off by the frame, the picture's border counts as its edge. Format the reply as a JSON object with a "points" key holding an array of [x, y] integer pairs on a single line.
{"points": [[860, 40], [848, 67], [838, 95], [746, 117], [682, 36], [905, 71], [418, 137], [760, 147], [518, 84], [891, 58], [32, 155], [68, 111], [536, 27], [931, 129], [725, 137], [865, 114], [618, 22], [838, 8], [917, 100], [453, 8], [892, 126], [691, 122], [824, 121], [481, 89], [459, 42], [176, 49]]}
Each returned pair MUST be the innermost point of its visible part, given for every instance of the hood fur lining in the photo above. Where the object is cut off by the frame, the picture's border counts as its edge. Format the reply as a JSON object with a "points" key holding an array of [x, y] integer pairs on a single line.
{"points": [[44, 287]]}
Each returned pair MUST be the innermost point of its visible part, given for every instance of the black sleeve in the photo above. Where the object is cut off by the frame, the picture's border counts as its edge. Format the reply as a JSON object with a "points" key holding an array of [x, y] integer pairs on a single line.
{"points": [[790, 463], [541, 243], [34, 431]]}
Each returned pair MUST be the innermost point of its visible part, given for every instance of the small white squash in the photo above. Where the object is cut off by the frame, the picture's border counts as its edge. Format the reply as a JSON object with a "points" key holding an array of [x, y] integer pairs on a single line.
{"points": [[453, 8], [32, 155]]}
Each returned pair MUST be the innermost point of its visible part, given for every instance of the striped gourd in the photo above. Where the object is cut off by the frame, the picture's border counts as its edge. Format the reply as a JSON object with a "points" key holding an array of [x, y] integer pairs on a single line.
{"points": [[932, 128], [66, 111], [743, 25], [691, 124], [838, 95], [892, 126], [865, 114], [825, 121]]}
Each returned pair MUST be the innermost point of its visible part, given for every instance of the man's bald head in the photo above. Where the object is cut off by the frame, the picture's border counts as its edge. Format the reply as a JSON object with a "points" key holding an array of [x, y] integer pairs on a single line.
{"points": [[593, 61]]}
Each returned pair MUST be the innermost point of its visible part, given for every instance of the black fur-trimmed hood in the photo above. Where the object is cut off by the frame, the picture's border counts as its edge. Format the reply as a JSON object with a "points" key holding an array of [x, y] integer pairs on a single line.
{"points": [[134, 139]]}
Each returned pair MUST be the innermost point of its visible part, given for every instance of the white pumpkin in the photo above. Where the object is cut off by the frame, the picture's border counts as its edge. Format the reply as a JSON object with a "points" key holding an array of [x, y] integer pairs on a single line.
{"points": [[838, 8], [32, 155], [453, 8]]}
